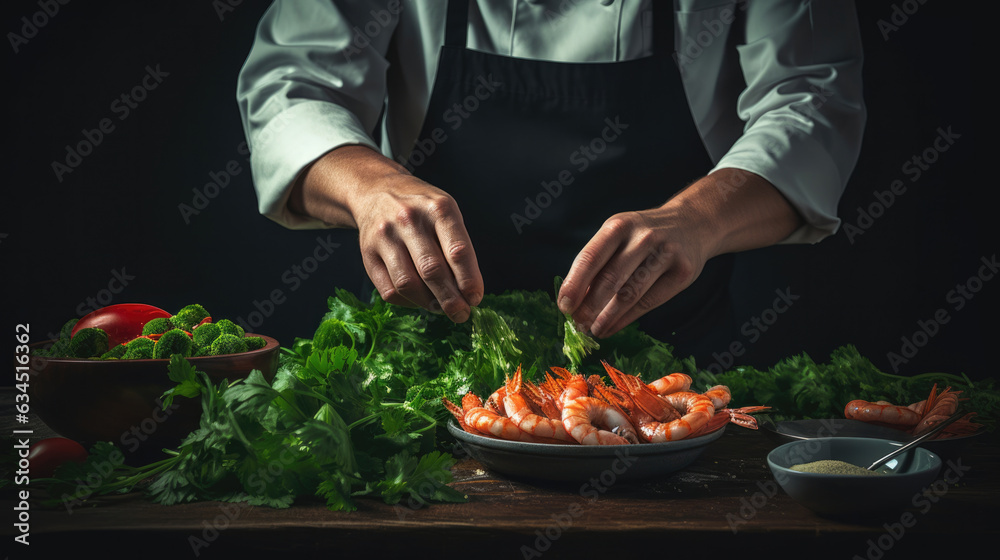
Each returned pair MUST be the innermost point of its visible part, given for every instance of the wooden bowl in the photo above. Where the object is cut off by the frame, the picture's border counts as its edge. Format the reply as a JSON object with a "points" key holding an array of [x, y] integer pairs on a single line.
{"points": [[119, 400]]}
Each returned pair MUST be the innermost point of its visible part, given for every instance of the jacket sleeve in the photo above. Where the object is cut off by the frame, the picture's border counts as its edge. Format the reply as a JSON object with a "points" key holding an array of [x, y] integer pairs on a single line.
{"points": [[314, 80], [803, 105]]}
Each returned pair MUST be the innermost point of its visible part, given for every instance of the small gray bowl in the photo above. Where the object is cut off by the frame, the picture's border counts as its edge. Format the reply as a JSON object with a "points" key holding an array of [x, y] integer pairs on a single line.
{"points": [[909, 474]]}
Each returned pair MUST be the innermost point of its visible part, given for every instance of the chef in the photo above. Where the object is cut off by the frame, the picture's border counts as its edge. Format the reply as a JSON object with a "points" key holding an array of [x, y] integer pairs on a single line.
{"points": [[628, 146]]}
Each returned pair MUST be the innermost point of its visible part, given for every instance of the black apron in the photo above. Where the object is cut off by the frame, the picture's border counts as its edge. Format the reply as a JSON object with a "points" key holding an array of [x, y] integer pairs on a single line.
{"points": [[539, 154]]}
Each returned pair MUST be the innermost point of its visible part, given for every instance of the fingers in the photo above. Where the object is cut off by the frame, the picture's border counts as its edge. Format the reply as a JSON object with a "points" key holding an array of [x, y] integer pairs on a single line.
{"points": [[628, 305], [589, 281], [418, 253], [461, 258], [433, 275], [587, 264], [638, 266], [626, 270], [395, 280]]}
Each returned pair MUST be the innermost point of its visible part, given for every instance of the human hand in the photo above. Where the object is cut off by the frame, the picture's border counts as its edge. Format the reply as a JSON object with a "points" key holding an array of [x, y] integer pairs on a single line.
{"points": [[635, 263], [413, 240], [416, 249], [639, 260]]}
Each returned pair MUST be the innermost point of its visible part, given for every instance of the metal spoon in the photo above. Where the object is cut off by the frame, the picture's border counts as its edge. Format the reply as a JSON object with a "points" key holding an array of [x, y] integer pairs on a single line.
{"points": [[917, 441]]}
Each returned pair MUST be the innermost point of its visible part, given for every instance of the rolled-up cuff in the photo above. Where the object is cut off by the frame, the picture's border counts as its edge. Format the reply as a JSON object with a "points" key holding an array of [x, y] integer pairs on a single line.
{"points": [[289, 144], [801, 169]]}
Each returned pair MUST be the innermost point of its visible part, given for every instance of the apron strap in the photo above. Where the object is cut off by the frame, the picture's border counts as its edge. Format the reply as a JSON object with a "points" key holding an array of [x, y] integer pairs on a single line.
{"points": [[663, 30], [456, 26]]}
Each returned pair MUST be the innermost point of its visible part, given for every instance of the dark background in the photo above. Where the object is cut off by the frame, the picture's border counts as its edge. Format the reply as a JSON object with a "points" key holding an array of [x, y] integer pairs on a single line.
{"points": [[62, 242]]}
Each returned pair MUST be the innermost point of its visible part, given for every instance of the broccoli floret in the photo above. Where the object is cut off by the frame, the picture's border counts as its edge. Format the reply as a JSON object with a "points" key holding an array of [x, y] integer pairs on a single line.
{"points": [[139, 349], [159, 325], [229, 327], [67, 329], [203, 351], [228, 344], [115, 353], [189, 316], [204, 335], [174, 341], [254, 342], [60, 347], [88, 343]]}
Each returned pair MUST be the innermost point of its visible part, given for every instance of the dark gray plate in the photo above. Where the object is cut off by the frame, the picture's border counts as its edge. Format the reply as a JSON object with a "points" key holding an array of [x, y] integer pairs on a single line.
{"points": [[570, 463], [792, 430]]}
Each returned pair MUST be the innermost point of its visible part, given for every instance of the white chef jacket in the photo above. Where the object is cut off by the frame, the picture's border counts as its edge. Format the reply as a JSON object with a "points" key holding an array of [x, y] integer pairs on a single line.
{"points": [[774, 86]]}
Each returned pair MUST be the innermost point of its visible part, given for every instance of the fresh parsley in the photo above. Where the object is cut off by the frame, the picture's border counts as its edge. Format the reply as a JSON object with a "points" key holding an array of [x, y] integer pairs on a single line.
{"points": [[355, 411]]}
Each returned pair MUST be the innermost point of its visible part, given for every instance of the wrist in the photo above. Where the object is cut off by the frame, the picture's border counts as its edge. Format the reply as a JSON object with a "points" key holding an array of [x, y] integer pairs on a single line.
{"points": [[733, 210], [695, 212], [337, 186]]}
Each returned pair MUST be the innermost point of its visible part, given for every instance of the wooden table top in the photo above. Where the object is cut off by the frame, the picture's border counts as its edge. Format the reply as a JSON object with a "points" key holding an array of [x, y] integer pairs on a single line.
{"points": [[726, 502]]}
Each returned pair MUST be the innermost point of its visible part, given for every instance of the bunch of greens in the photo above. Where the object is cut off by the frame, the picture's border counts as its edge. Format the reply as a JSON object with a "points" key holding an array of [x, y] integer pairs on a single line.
{"points": [[796, 387], [356, 409], [325, 426], [799, 387]]}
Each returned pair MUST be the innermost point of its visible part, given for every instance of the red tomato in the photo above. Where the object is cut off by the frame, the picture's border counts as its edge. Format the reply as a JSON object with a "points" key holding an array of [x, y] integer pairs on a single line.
{"points": [[122, 322], [47, 454]]}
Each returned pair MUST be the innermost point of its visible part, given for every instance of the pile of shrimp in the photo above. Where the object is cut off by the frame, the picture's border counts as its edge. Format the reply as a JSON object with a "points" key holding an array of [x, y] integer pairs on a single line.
{"points": [[567, 408], [916, 418]]}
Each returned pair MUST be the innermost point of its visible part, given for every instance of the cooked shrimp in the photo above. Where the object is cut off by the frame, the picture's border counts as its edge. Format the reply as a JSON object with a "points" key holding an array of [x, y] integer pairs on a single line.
{"points": [[458, 412], [696, 409], [918, 417], [663, 386], [881, 412], [582, 416], [495, 401], [720, 396], [575, 387], [614, 396], [551, 389], [569, 408], [489, 422], [562, 373], [642, 397], [738, 416], [672, 383], [474, 418], [545, 401], [961, 427], [937, 408], [920, 406], [521, 413], [470, 402]]}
